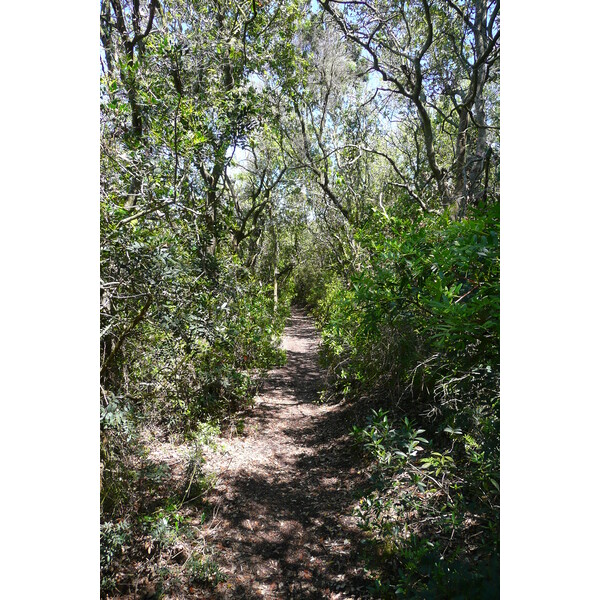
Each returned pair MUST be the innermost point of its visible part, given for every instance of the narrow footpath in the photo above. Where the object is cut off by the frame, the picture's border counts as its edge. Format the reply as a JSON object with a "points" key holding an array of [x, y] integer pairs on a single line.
{"points": [[282, 508]]}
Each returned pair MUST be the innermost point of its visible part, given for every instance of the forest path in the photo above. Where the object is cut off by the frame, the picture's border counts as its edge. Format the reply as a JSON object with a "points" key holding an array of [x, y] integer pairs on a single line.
{"points": [[283, 501]]}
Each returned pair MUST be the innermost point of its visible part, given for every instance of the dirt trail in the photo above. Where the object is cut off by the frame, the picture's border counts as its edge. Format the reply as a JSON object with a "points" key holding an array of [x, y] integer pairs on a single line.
{"points": [[283, 503]]}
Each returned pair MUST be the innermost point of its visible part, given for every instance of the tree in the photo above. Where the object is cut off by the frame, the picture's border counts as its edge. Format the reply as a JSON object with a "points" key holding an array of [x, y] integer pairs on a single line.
{"points": [[438, 59]]}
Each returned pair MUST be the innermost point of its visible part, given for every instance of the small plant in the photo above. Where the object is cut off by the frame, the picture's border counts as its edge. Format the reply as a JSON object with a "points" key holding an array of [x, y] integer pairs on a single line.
{"points": [[206, 435], [438, 462], [196, 484], [114, 540], [203, 569], [389, 446], [164, 525]]}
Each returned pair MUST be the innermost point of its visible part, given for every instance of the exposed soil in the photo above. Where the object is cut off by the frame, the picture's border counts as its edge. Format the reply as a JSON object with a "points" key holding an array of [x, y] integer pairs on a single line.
{"points": [[286, 488]]}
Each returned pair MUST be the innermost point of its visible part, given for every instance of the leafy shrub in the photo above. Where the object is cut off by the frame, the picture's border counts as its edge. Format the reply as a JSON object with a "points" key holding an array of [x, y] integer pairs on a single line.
{"points": [[418, 520], [203, 569], [418, 325], [118, 449], [185, 339], [114, 539]]}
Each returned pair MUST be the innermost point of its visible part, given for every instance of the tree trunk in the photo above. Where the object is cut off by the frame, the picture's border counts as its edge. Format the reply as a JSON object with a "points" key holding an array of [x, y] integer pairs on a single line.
{"points": [[275, 268]]}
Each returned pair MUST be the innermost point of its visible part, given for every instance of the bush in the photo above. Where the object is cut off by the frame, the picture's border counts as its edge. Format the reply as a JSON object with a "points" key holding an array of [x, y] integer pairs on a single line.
{"points": [[203, 569], [186, 338], [417, 326], [114, 540]]}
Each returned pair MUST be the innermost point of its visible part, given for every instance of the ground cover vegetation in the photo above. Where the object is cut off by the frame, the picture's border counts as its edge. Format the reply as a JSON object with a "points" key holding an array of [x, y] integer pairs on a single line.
{"points": [[340, 155]]}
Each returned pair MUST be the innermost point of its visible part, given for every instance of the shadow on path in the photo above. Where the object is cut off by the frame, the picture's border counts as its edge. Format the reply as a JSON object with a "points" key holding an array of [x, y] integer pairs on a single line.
{"points": [[284, 524]]}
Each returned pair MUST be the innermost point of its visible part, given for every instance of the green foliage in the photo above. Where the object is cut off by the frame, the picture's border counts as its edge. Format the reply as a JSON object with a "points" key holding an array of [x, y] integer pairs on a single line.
{"points": [[196, 484], [115, 416], [391, 448], [418, 519], [419, 323], [188, 320], [202, 569], [114, 540], [163, 526], [196, 356], [423, 573], [118, 450], [424, 312]]}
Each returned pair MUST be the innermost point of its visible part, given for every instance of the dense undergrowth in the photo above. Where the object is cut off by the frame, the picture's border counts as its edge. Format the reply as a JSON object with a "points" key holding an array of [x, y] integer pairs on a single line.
{"points": [[183, 374], [414, 333]]}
